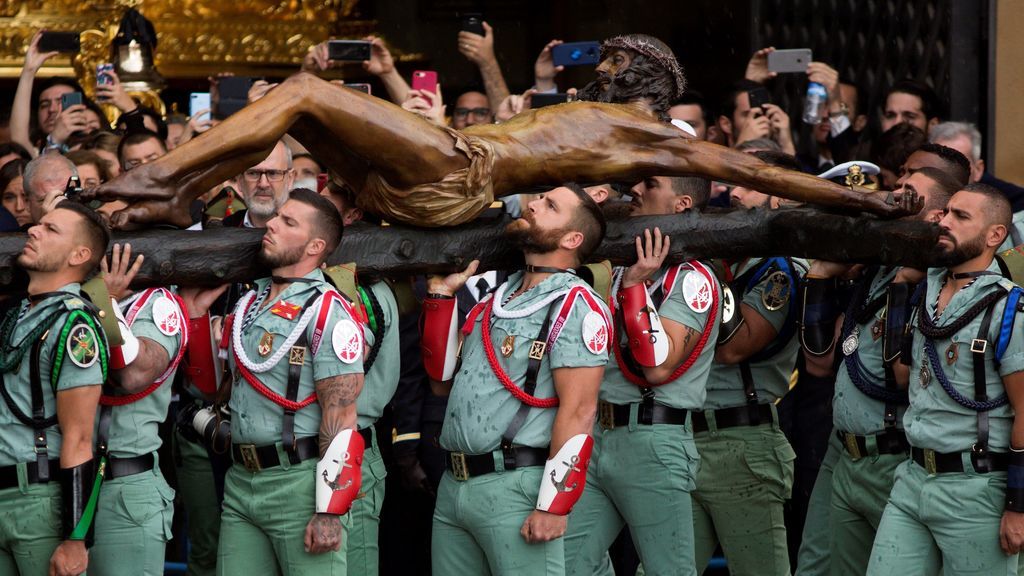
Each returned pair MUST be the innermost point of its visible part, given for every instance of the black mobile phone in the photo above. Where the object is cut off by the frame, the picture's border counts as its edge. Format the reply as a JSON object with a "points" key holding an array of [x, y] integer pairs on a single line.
{"points": [[473, 22], [348, 50], [759, 97], [70, 99], [64, 42], [73, 189], [542, 100], [232, 94]]}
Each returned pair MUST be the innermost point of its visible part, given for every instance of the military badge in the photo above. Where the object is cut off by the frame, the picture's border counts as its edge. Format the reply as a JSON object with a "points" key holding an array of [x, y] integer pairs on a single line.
{"points": [[925, 376], [82, 347], [286, 310], [165, 316], [877, 329], [595, 332], [697, 292], [347, 341], [728, 304], [952, 353], [266, 344], [851, 343], [508, 346], [776, 291]]}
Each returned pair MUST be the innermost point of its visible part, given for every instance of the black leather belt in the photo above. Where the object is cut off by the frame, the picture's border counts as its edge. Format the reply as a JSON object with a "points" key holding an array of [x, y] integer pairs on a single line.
{"points": [[466, 466], [121, 467], [888, 442], [939, 463], [613, 415], [256, 458], [9, 474], [746, 415]]}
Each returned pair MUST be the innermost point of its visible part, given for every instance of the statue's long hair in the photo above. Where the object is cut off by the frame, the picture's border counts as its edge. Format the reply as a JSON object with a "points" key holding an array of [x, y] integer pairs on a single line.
{"points": [[644, 78]]}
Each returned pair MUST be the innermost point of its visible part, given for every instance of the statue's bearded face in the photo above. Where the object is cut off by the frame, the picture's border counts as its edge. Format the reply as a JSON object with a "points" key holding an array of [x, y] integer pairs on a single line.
{"points": [[604, 88], [626, 76]]}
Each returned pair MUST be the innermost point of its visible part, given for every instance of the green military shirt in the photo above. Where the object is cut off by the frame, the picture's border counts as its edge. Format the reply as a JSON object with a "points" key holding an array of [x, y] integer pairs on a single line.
{"points": [[771, 376], [382, 379], [480, 408], [135, 427], [852, 410], [255, 419], [689, 303], [80, 352], [936, 421]]}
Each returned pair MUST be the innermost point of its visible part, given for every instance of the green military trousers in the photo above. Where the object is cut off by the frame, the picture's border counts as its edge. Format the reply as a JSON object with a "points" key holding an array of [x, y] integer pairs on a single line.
{"points": [[948, 521], [199, 497], [263, 525], [363, 551], [815, 541], [477, 523], [860, 491], [746, 475], [133, 525], [29, 525], [641, 476]]}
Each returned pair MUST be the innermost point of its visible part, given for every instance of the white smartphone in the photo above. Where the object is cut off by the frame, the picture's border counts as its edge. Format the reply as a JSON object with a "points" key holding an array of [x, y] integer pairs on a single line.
{"points": [[199, 101]]}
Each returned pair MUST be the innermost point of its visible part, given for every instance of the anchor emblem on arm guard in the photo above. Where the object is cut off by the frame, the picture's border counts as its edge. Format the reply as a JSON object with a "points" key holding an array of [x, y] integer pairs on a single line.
{"points": [[340, 468], [572, 466], [565, 476], [333, 484]]}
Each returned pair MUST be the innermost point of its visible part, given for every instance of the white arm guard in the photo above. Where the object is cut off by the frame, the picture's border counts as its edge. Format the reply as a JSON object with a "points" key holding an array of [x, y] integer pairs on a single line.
{"points": [[123, 355], [565, 475], [339, 473]]}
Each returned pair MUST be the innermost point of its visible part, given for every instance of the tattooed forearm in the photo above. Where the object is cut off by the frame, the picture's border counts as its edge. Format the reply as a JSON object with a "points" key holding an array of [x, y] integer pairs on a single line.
{"points": [[150, 363], [337, 398]]}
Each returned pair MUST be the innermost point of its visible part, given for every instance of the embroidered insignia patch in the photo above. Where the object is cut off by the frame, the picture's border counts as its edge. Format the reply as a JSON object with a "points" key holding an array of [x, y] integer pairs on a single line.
{"points": [[728, 304], [595, 333], [851, 343], [776, 291], [166, 317], [346, 341], [266, 344], [286, 310], [82, 346], [508, 346], [877, 329], [925, 376], [697, 292]]}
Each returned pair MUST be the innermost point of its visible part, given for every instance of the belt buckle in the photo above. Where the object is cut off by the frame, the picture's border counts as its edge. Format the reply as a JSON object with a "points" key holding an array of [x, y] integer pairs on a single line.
{"points": [[851, 445], [250, 459], [459, 469], [929, 461], [606, 415]]}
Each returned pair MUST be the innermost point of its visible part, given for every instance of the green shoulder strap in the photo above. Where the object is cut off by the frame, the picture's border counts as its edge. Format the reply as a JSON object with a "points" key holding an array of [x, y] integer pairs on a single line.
{"points": [[1014, 261], [343, 276], [77, 317], [96, 291], [599, 275]]}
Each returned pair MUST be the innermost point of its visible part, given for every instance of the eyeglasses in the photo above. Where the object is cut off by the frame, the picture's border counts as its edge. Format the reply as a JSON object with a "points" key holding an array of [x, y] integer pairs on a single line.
{"points": [[476, 112], [272, 175]]}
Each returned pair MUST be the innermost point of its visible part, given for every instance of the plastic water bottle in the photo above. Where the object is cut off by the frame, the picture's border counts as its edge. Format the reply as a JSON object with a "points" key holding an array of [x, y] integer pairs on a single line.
{"points": [[817, 96]]}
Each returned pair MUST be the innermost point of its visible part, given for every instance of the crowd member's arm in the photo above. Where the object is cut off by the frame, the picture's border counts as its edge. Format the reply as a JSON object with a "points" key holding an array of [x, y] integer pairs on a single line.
{"points": [[480, 51], [114, 93], [429, 106], [381, 64], [544, 69], [21, 109], [514, 104], [781, 131], [757, 66]]}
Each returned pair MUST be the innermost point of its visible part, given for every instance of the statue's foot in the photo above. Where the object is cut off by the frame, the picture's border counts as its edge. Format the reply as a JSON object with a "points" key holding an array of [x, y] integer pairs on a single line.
{"points": [[145, 182]]}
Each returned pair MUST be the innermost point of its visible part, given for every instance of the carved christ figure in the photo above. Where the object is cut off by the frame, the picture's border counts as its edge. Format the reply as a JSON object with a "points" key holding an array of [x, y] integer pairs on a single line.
{"points": [[407, 169]]}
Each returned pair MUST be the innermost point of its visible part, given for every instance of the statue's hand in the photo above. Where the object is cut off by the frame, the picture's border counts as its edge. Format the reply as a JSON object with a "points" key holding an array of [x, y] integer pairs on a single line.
{"points": [[174, 212]]}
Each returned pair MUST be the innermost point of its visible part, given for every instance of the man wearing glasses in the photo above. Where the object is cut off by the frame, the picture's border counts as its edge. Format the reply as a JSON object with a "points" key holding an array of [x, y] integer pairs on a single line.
{"points": [[264, 189], [471, 108]]}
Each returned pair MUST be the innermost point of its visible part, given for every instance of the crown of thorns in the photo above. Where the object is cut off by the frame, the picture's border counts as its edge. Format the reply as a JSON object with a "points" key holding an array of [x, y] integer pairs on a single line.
{"points": [[641, 46]]}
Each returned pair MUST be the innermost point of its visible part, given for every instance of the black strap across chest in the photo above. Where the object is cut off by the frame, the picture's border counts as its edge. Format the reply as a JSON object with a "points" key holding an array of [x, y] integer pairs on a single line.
{"points": [[296, 359]]}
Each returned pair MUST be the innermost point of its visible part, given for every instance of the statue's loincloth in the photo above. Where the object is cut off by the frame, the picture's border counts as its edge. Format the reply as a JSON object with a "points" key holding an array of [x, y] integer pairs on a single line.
{"points": [[456, 199]]}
